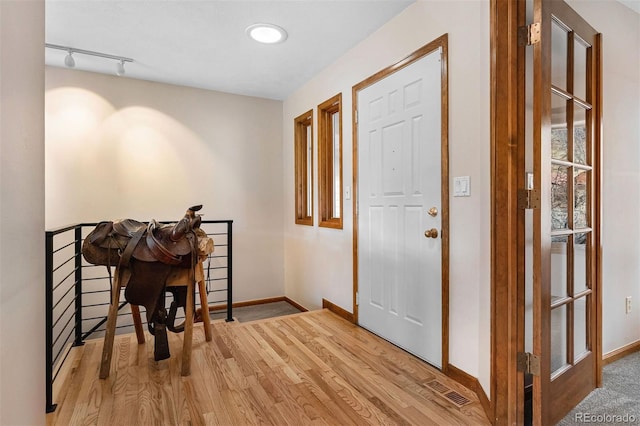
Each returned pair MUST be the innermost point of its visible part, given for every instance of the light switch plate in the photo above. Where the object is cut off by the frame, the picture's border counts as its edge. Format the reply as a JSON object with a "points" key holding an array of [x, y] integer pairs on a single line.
{"points": [[461, 186], [347, 192]]}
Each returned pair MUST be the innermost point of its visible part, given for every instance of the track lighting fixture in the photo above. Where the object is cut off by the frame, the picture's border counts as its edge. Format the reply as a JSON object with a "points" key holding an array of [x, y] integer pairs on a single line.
{"points": [[120, 68], [70, 62]]}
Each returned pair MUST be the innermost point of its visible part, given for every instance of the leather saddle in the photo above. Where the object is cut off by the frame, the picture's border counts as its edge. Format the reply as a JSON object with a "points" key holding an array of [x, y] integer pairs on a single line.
{"points": [[149, 251]]}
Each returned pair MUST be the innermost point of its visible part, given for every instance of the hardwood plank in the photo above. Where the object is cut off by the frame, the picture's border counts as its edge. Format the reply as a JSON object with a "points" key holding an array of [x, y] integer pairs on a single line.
{"points": [[313, 368], [116, 385], [264, 402], [78, 383], [144, 388], [178, 396], [342, 411], [361, 405], [61, 385], [306, 355]]}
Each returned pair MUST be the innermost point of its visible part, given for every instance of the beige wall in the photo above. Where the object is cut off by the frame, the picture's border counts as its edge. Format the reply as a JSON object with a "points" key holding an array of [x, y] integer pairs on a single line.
{"points": [[22, 338], [620, 28], [119, 147], [318, 261]]}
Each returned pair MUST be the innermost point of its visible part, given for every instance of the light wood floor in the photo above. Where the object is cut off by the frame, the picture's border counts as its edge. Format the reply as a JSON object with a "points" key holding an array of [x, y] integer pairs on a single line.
{"points": [[309, 368]]}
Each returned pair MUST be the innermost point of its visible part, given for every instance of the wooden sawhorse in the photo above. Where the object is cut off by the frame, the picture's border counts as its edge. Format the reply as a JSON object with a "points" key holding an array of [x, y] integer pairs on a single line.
{"points": [[177, 277]]}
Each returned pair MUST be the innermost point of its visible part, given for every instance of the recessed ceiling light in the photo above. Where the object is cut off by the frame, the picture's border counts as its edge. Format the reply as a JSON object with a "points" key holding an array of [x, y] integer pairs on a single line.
{"points": [[267, 33]]}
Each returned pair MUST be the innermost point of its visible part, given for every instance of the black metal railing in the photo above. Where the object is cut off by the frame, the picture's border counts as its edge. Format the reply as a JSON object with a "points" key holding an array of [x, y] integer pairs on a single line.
{"points": [[78, 294]]}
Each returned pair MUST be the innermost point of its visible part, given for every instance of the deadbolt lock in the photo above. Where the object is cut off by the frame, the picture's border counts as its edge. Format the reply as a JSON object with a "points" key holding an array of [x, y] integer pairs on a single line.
{"points": [[433, 212], [431, 233]]}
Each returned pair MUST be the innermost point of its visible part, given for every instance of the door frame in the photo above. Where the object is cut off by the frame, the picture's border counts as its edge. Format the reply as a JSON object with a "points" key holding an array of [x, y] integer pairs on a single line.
{"points": [[442, 43], [507, 175]]}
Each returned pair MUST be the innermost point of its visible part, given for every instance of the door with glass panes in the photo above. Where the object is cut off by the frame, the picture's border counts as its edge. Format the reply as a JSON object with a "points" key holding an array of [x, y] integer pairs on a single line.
{"points": [[563, 160]]}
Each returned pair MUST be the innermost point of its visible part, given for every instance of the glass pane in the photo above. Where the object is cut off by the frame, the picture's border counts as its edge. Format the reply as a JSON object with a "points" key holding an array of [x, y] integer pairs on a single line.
{"points": [[558, 338], [558, 56], [579, 135], [335, 126], [581, 198], [559, 208], [580, 318], [559, 268], [579, 69], [309, 169], [558, 128], [580, 250]]}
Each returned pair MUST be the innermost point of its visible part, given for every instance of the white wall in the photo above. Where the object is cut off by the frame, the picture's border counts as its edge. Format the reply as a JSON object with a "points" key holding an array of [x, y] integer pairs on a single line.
{"points": [[118, 147], [620, 28], [22, 337], [318, 261]]}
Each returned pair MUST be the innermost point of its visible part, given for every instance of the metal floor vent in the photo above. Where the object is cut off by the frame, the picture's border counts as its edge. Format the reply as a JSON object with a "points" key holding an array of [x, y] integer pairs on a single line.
{"points": [[457, 399], [452, 396], [438, 387]]}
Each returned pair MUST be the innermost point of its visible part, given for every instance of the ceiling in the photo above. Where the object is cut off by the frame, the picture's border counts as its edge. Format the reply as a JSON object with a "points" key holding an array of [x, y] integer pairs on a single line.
{"points": [[632, 4], [203, 43]]}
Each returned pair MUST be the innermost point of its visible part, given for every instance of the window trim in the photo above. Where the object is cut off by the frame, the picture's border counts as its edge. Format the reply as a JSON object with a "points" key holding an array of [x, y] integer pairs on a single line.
{"points": [[326, 182], [303, 180]]}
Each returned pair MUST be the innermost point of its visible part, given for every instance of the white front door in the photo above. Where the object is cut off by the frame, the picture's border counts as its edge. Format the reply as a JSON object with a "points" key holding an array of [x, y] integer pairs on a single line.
{"points": [[399, 198]]}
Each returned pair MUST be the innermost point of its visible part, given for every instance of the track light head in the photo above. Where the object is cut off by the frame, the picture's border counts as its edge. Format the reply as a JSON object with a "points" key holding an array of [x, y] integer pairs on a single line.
{"points": [[69, 61], [120, 68]]}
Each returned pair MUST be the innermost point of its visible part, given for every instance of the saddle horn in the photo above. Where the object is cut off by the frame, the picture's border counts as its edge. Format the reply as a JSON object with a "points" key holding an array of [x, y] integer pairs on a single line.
{"points": [[189, 222]]}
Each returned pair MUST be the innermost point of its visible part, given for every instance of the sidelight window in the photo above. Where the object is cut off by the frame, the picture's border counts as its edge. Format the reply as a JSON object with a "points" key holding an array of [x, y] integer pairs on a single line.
{"points": [[330, 162], [303, 158]]}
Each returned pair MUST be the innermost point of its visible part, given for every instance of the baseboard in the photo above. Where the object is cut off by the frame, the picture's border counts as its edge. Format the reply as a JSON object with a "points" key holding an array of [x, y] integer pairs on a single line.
{"points": [[615, 355], [338, 310], [471, 383], [296, 304]]}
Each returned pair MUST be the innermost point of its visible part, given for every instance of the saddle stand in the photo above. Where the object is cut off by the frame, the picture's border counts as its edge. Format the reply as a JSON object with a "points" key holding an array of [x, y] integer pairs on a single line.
{"points": [[179, 277], [151, 259]]}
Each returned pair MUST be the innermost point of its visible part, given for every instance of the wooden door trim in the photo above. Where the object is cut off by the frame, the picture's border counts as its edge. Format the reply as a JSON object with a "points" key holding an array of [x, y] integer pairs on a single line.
{"points": [[440, 42], [597, 220], [506, 394]]}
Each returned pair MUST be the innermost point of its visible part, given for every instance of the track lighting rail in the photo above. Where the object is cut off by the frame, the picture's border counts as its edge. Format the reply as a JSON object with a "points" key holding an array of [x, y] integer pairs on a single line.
{"points": [[70, 62]]}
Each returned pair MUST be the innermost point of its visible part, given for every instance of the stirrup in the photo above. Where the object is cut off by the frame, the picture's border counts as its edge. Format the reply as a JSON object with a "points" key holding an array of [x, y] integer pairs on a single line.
{"points": [[171, 319], [161, 344], [161, 318]]}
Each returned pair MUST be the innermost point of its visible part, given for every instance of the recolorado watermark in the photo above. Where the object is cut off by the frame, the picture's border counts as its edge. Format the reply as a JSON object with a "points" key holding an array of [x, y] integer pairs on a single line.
{"points": [[604, 418]]}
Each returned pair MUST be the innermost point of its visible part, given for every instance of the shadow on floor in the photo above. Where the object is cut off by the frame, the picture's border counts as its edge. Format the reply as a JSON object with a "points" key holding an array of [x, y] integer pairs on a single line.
{"points": [[257, 312]]}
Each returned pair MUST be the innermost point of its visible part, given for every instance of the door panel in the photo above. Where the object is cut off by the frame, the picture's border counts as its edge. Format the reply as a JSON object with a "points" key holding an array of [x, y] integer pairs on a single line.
{"points": [[564, 229], [399, 172]]}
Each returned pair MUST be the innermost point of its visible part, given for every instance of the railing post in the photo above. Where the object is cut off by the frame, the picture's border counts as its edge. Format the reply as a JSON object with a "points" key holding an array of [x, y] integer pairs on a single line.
{"points": [[229, 271], [78, 285], [51, 407]]}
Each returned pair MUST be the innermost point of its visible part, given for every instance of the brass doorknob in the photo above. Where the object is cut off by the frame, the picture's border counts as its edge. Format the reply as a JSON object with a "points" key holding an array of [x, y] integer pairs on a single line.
{"points": [[431, 233], [433, 212]]}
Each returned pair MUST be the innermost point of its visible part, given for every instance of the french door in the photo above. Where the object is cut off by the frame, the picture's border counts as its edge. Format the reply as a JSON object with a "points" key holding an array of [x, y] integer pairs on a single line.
{"points": [[562, 232]]}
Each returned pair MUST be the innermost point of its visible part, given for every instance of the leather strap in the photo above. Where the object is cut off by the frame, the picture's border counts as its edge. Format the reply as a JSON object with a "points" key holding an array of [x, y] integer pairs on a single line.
{"points": [[125, 257]]}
